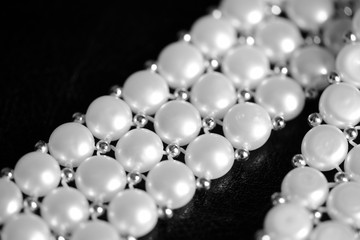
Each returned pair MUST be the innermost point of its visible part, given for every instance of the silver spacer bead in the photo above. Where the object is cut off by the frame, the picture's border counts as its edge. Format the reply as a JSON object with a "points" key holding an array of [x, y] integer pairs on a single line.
{"points": [[333, 77], [241, 154], [341, 177], [281, 69], [151, 65], [298, 161], [311, 93], [314, 119], [60, 237], [67, 175], [165, 213], [278, 123], [182, 94], [313, 39], [261, 235], [133, 178], [209, 123], [79, 117], [103, 146], [41, 146], [128, 237], [351, 133], [203, 183], [184, 36], [244, 95], [31, 204], [216, 13], [250, 40], [140, 120], [275, 10], [277, 198], [173, 150], [317, 215], [116, 91], [213, 64], [7, 173], [97, 209], [350, 37]]}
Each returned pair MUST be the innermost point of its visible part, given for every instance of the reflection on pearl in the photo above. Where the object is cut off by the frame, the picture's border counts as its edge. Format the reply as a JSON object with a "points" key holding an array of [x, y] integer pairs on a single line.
{"points": [[332, 230], [352, 163], [356, 23], [10, 201], [334, 31], [95, 230], [348, 63]]}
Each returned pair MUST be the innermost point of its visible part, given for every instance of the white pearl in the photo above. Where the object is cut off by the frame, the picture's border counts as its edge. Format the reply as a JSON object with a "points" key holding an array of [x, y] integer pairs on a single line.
{"points": [[100, 178], [108, 117], [71, 143], [171, 184], [278, 37], [213, 36], [348, 63], [352, 163], [11, 199], [324, 147], [339, 105], [334, 31], [133, 212], [246, 66], [37, 174], [213, 94], [64, 209], [95, 230], [281, 96], [332, 230], [309, 66], [139, 150], [145, 92], [306, 186], [26, 226], [210, 156], [180, 64], [343, 203], [177, 122], [356, 23], [247, 126], [288, 221]]}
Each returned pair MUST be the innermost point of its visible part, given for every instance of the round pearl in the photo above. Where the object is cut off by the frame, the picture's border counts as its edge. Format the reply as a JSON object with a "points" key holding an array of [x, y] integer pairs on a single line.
{"points": [[139, 150], [309, 66], [213, 36], [356, 23], [334, 31], [324, 147], [352, 163], [288, 221], [37, 174], [108, 117], [95, 230], [213, 94], [246, 66], [145, 92], [133, 212], [332, 230], [281, 96], [306, 186], [278, 37], [171, 184], [339, 105], [177, 122], [348, 63], [343, 203], [64, 209], [26, 226], [247, 126], [71, 143], [100, 178], [181, 64], [11, 199]]}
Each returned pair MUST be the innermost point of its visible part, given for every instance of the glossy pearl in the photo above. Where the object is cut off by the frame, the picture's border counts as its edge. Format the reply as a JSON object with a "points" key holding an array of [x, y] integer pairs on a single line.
{"points": [[181, 64], [280, 96], [37, 174], [246, 66], [108, 117], [334, 31], [278, 37], [352, 163], [171, 184], [348, 63], [145, 92], [356, 23], [306, 186], [247, 126], [11, 199], [332, 230], [210, 156], [139, 150], [324, 147], [100, 178], [26, 226], [133, 212], [177, 122], [339, 105], [213, 94], [71, 143], [64, 209], [95, 230]]}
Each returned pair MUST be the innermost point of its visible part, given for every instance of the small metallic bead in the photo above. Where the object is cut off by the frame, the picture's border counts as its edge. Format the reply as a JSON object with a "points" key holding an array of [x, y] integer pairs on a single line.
{"points": [[278, 123], [313, 39], [214, 64], [311, 93], [103, 146], [182, 94], [350, 37], [7, 173], [277, 198], [314, 119], [351, 133], [60, 237], [333, 77], [203, 183], [281, 69], [140, 120], [67, 175], [208, 123], [41, 146], [165, 213], [244, 95], [79, 117], [31, 204], [185, 36], [151, 65], [298, 161], [215, 12], [275, 10], [241, 154], [317, 215], [348, 11], [97, 209], [116, 91], [173, 150], [341, 177], [261, 235], [133, 178], [128, 237], [250, 40]]}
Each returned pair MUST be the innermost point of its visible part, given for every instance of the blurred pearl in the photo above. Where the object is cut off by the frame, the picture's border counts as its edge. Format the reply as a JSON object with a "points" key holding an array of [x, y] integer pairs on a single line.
{"points": [[334, 31], [37, 174], [171, 184], [95, 230], [11, 199], [352, 163], [71, 143], [100, 178], [332, 230], [180, 64], [288, 221], [213, 94], [306, 186], [133, 212], [26, 226], [139, 150], [324, 147], [247, 126], [356, 23], [348, 63], [246, 66], [177, 122], [210, 156], [108, 117], [310, 65], [145, 92], [64, 209], [281, 96], [339, 105], [278, 37]]}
